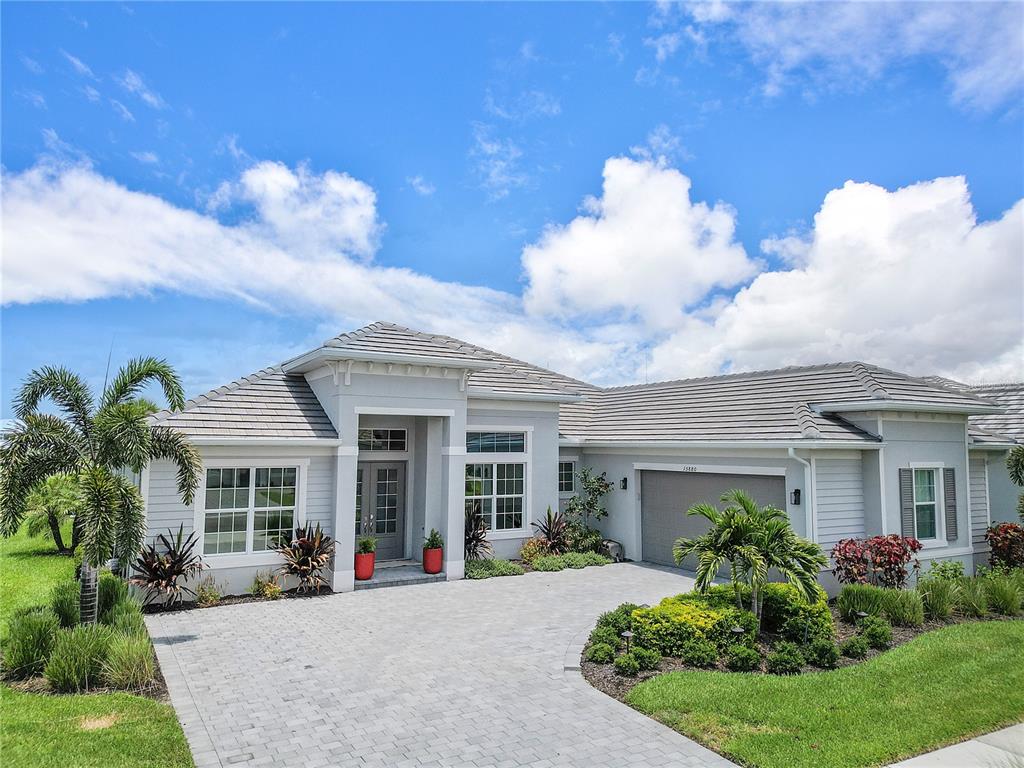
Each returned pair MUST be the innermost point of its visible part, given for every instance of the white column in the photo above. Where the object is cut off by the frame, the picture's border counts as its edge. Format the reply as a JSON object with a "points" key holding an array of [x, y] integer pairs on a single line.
{"points": [[453, 487], [343, 577]]}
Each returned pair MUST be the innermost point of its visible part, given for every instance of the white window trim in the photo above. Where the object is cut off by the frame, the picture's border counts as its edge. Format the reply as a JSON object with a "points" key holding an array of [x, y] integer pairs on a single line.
{"points": [[247, 558], [940, 503], [567, 494], [525, 458]]}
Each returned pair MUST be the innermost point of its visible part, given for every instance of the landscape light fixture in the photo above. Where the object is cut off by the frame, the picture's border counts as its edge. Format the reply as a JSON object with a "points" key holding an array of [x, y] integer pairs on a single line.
{"points": [[628, 636]]}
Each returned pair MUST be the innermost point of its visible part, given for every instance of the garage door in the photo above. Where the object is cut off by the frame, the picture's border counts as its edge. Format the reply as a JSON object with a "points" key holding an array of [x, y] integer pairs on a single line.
{"points": [[665, 497]]}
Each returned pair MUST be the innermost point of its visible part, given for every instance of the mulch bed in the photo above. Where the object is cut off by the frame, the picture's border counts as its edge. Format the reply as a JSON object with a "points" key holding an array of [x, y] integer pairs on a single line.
{"points": [[189, 605], [156, 690], [606, 679]]}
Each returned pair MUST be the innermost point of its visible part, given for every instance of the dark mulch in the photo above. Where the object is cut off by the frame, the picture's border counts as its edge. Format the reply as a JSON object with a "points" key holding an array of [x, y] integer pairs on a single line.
{"points": [[189, 605], [156, 690], [606, 679]]}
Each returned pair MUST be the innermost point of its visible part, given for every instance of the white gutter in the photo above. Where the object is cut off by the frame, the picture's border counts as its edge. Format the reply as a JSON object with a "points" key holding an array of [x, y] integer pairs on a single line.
{"points": [[309, 359], [478, 393], [809, 488], [903, 405], [652, 444], [322, 442]]}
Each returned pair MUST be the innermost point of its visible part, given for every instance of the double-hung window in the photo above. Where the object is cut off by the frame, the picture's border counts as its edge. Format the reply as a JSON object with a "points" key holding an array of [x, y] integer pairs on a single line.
{"points": [[567, 477], [496, 488], [248, 509], [926, 504]]}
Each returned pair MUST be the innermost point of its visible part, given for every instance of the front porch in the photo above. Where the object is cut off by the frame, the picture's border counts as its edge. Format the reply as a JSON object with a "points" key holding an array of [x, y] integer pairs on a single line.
{"points": [[399, 573]]}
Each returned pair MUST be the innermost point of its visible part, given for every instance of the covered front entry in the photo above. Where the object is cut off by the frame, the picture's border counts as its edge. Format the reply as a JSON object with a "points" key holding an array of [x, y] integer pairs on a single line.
{"points": [[380, 506], [665, 497]]}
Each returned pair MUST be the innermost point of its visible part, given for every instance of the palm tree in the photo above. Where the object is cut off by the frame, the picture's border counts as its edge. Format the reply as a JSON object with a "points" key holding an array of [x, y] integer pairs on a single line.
{"points": [[752, 540], [49, 505], [94, 443]]}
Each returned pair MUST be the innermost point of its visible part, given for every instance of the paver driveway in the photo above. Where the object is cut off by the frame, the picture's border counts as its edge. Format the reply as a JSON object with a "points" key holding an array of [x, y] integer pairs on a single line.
{"points": [[468, 673]]}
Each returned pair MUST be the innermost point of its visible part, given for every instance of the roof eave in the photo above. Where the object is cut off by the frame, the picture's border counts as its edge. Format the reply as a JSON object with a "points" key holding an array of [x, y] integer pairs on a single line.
{"points": [[849, 406], [317, 357], [795, 443], [478, 393]]}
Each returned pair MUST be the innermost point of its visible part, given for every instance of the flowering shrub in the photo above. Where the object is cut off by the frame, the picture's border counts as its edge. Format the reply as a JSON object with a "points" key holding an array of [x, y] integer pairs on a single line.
{"points": [[1006, 541], [880, 560]]}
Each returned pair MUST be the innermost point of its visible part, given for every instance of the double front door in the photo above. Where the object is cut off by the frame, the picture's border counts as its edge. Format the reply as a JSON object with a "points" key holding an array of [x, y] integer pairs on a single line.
{"points": [[380, 506]]}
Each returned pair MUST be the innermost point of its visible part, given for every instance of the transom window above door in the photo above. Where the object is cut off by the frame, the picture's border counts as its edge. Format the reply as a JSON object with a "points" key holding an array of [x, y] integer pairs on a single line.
{"points": [[382, 440], [496, 442]]}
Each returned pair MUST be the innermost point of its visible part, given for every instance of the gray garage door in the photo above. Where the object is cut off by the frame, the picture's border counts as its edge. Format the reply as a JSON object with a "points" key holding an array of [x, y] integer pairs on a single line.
{"points": [[665, 497]]}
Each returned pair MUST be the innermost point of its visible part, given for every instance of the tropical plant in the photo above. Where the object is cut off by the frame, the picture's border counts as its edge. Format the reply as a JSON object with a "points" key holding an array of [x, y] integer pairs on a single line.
{"points": [[434, 540], [366, 545], [553, 532], [94, 442], [477, 547], [306, 556], [880, 560], [532, 549], [586, 504], [1015, 466], [1006, 543], [49, 505], [165, 575]]}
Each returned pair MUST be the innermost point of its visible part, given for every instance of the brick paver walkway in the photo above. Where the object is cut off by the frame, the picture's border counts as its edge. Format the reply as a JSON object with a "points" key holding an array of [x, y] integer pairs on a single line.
{"points": [[449, 674]]}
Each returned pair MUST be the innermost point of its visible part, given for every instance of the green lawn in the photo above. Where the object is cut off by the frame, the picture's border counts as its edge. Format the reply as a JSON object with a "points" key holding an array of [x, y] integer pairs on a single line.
{"points": [[108, 730], [941, 688]]}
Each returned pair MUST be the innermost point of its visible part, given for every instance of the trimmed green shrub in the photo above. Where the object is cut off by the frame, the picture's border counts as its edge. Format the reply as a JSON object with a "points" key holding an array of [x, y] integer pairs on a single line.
{"points": [[860, 598], [125, 618], [605, 634], [699, 653], [575, 560], [938, 596], [877, 632], [64, 599], [676, 621], [593, 558], [110, 589], [971, 598], [600, 653], [903, 608], [76, 662], [129, 664], [804, 630], [1002, 594], [619, 620], [627, 665], [549, 563], [855, 648], [742, 658], [30, 641], [486, 569], [782, 605], [946, 570], [822, 652], [785, 659], [646, 658]]}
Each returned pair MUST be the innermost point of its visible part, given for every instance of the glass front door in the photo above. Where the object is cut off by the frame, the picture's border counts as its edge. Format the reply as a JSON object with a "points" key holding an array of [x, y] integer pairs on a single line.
{"points": [[380, 506]]}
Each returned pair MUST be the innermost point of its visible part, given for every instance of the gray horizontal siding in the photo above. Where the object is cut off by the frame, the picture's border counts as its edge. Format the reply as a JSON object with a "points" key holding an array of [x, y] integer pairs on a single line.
{"points": [[164, 508], [979, 501], [840, 488], [320, 492]]}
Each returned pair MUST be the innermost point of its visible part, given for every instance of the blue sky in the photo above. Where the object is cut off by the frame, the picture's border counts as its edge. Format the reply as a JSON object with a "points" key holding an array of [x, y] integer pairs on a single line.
{"points": [[619, 191]]}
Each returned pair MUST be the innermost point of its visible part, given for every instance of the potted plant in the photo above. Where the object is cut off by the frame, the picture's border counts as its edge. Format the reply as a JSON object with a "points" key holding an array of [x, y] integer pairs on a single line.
{"points": [[366, 554], [433, 552]]}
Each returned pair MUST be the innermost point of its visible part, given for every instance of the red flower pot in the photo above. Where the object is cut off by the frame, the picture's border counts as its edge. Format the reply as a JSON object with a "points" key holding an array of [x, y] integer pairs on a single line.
{"points": [[433, 560], [364, 565]]}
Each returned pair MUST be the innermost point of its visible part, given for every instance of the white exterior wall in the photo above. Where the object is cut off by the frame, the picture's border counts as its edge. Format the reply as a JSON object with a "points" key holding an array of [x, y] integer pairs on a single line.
{"points": [[840, 503]]}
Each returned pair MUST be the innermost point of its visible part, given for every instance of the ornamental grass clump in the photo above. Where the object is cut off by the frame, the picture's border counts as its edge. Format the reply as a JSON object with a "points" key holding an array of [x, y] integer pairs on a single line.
{"points": [[64, 599], [129, 664], [860, 598], [938, 596], [30, 641], [903, 608], [972, 598], [125, 618], [76, 663], [112, 589], [1002, 594]]}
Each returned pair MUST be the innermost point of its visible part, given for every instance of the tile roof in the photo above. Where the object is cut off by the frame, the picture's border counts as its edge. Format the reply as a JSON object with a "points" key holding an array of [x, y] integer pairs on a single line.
{"points": [[994, 427]]}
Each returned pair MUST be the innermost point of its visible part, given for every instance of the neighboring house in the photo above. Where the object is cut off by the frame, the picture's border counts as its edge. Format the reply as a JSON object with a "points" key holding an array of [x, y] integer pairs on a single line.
{"points": [[390, 432]]}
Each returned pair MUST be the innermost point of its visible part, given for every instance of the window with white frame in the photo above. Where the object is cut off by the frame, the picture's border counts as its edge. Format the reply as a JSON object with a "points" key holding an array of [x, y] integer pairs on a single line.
{"points": [[497, 493], [248, 509], [567, 477], [496, 442], [926, 504], [382, 440]]}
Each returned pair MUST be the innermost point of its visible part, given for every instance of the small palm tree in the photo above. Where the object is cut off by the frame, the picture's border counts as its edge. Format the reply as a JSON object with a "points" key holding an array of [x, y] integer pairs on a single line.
{"points": [[49, 505], [94, 443]]}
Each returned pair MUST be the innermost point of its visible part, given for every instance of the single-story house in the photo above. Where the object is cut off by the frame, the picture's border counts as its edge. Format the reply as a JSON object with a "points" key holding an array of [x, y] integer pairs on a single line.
{"points": [[391, 432]]}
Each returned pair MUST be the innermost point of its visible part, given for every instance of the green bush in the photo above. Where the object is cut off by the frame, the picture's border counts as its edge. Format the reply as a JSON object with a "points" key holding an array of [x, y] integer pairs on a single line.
{"points": [[938, 596], [699, 653], [64, 599], [782, 605], [822, 652], [575, 560], [76, 663], [30, 640], [1002, 594], [110, 589], [265, 585], [627, 665], [600, 653], [646, 658], [129, 664], [946, 570], [860, 598], [486, 569], [532, 549], [125, 618], [549, 563], [676, 621], [971, 598], [855, 648], [618, 620], [208, 592], [593, 558], [742, 658], [785, 659], [877, 632], [804, 630], [903, 608], [604, 634]]}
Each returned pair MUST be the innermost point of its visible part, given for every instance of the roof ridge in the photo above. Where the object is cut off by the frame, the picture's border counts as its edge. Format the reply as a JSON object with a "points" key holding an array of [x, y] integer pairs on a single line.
{"points": [[876, 390], [926, 381], [738, 375], [805, 420], [217, 392]]}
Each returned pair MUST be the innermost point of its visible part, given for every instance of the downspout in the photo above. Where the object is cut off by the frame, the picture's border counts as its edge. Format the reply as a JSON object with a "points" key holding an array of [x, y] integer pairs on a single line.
{"points": [[808, 493]]}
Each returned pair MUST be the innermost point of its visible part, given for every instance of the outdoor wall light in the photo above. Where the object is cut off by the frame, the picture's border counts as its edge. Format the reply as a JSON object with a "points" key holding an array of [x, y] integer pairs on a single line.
{"points": [[795, 497], [623, 484]]}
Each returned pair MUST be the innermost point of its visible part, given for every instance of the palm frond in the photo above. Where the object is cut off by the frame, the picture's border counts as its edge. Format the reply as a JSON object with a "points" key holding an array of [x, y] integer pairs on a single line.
{"points": [[706, 510], [65, 388], [130, 524], [136, 374], [101, 496], [123, 434], [167, 443]]}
